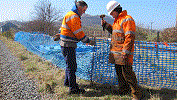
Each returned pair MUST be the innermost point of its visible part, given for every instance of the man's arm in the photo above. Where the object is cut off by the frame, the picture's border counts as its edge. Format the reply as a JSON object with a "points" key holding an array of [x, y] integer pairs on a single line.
{"points": [[107, 26], [129, 30], [76, 28]]}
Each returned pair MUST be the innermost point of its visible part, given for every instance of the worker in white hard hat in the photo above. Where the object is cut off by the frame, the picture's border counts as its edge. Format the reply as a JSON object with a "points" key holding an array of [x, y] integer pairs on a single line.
{"points": [[122, 48]]}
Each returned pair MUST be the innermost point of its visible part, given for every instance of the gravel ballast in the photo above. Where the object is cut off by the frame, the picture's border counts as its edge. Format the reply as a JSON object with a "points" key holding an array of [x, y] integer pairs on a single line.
{"points": [[14, 83]]}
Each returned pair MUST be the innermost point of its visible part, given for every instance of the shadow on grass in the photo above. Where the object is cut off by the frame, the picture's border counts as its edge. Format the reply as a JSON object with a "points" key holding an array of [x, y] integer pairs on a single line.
{"points": [[100, 90], [164, 94]]}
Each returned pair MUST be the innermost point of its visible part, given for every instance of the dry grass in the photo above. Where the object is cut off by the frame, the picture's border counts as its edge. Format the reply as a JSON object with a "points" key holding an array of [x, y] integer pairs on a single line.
{"points": [[50, 79]]}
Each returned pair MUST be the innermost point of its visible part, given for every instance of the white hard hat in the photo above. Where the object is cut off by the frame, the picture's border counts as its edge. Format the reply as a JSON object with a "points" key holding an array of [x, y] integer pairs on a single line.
{"points": [[111, 6]]}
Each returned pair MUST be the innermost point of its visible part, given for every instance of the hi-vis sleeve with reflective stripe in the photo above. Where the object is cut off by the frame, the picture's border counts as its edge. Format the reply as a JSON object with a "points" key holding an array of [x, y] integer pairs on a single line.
{"points": [[71, 28], [129, 29]]}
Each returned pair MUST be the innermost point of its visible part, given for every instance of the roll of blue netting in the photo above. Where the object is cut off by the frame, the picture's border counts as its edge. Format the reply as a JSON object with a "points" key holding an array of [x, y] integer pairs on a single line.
{"points": [[155, 64]]}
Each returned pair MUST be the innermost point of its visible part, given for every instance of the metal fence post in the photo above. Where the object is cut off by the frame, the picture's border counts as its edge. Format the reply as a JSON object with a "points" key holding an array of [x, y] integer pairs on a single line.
{"points": [[93, 60], [157, 47]]}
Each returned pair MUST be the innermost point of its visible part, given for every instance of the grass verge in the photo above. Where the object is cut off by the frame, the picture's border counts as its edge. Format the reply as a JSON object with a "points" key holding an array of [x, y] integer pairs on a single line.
{"points": [[50, 79]]}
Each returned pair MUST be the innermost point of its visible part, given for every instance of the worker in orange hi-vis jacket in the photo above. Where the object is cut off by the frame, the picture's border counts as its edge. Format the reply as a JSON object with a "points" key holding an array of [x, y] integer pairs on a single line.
{"points": [[122, 48], [71, 33]]}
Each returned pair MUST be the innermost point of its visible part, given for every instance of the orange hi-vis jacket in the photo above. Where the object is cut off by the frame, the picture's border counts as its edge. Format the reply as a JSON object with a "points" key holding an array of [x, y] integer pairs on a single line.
{"points": [[71, 30], [123, 36]]}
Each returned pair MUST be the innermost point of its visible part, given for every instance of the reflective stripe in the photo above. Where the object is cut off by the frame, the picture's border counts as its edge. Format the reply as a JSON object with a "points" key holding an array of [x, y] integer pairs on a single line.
{"points": [[118, 31], [67, 38], [129, 32], [73, 16], [65, 26], [128, 19], [116, 52], [128, 52], [68, 19], [77, 31], [118, 38]]}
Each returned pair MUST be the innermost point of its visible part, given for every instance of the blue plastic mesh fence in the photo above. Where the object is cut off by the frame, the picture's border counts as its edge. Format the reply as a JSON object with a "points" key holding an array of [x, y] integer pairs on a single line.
{"points": [[155, 64]]}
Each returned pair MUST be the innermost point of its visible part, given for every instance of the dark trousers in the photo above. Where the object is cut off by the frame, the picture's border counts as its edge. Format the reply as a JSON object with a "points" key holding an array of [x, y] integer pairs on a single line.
{"points": [[69, 54], [127, 79]]}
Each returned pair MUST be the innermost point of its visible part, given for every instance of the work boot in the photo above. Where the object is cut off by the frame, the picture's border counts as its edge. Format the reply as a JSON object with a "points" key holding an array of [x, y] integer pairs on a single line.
{"points": [[77, 91], [124, 90], [67, 85], [144, 95]]}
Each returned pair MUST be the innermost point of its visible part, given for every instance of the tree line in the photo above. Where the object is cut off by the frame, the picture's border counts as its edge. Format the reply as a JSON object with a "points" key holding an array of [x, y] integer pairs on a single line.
{"points": [[141, 34], [46, 18]]}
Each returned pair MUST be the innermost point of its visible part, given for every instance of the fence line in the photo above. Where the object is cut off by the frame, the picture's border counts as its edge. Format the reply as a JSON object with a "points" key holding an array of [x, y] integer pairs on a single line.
{"points": [[155, 64]]}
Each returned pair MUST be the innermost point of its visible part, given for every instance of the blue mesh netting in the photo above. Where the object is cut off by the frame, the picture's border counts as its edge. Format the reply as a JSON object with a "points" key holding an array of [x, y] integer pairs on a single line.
{"points": [[155, 64]]}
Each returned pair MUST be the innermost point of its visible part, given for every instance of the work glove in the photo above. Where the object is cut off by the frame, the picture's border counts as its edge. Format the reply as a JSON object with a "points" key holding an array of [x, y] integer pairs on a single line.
{"points": [[56, 37], [125, 58], [92, 42], [106, 26], [103, 24]]}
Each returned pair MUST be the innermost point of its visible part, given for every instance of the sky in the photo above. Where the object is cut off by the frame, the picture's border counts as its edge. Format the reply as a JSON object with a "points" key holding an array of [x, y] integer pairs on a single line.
{"points": [[157, 14]]}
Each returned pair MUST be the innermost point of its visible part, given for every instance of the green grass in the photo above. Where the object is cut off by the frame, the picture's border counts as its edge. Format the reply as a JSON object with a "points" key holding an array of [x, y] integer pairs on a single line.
{"points": [[31, 69], [50, 79], [23, 57]]}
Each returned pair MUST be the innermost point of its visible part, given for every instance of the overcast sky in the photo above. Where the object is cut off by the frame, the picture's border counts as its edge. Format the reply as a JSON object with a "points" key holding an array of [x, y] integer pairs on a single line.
{"points": [[161, 13]]}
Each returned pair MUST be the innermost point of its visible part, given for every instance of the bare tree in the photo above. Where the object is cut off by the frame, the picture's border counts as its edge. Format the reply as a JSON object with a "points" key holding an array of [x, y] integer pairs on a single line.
{"points": [[47, 15]]}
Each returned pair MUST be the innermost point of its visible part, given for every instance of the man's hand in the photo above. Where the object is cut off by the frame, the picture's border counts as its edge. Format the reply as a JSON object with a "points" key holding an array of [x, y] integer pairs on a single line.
{"points": [[103, 22], [56, 37], [125, 57], [92, 42]]}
